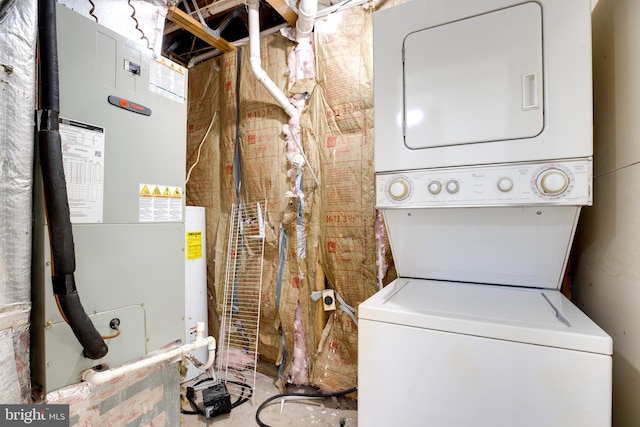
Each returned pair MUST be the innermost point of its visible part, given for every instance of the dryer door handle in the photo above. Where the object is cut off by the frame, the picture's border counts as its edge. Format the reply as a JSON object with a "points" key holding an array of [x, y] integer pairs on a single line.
{"points": [[529, 91]]}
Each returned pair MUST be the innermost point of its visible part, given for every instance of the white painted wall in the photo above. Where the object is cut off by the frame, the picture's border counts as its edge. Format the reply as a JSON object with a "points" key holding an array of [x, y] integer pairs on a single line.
{"points": [[607, 251]]}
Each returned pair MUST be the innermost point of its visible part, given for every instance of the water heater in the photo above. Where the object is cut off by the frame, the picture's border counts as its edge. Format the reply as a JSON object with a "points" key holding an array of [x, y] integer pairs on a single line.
{"points": [[123, 129]]}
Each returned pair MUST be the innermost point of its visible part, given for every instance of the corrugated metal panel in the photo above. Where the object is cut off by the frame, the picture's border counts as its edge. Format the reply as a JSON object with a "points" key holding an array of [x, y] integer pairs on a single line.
{"points": [[17, 105]]}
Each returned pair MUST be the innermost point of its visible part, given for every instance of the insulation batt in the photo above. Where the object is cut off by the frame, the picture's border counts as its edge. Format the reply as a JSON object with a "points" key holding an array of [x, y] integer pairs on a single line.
{"points": [[381, 260], [299, 363]]}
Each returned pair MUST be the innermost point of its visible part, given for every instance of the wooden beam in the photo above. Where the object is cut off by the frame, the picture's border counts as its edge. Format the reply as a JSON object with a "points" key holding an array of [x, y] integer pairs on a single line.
{"points": [[285, 11], [195, 27], [217, 8]]}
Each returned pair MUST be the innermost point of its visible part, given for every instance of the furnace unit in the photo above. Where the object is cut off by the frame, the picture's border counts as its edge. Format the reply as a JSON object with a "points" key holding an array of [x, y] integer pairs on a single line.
{"points": [[123, 128]]}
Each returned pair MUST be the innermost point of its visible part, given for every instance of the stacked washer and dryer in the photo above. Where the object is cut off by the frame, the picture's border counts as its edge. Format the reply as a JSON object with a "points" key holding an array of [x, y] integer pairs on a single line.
{"points": [[483, 145]]}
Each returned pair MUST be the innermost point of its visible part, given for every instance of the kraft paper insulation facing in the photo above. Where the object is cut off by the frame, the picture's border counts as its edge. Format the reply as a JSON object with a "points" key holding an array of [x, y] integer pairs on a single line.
{"points": [[339, 216], [17, 104]]}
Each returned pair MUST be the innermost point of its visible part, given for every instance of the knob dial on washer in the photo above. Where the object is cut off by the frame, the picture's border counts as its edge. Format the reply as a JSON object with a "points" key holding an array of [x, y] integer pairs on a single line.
{"points": [[399, 189], [553, 182], [452, 186], [434, 187], [505, 184]]}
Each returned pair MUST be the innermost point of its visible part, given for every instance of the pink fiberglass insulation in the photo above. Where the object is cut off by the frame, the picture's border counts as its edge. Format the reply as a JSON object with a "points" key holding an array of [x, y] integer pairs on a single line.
{"points": [[381, 260], [231, 357], [299, 363]]}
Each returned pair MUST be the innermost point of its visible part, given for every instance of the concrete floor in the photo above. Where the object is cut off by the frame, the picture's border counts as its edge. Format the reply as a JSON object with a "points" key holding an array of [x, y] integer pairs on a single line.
{"points": [[301, 413]]}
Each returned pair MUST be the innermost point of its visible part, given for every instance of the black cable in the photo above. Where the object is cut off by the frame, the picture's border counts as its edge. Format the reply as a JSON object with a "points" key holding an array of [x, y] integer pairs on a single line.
{"points": [[56, 202], [310, 395], [191, 396]]}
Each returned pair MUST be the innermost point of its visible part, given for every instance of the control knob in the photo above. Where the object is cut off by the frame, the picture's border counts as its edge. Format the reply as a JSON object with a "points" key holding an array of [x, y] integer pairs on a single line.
{"points": [[434, 187], [553, 182], [505, 184], [399, 189], [452, 186]]}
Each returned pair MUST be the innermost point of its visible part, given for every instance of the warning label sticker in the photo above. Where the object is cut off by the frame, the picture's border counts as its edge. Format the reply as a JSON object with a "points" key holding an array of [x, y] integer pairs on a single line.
{"points": [[160, 203], [167, 78], [194, 245]]}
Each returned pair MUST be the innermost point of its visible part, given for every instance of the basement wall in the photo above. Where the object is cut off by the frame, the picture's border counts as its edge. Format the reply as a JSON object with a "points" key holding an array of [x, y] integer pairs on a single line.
{"points": [[607, 250], [339, 214]]}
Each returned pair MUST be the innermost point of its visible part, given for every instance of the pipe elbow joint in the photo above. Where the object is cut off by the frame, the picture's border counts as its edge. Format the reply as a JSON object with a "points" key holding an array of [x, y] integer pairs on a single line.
{"points": [[257, 70], [97, 377]]}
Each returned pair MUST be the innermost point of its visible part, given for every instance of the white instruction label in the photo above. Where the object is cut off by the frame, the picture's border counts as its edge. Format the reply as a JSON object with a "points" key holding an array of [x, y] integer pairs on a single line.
{"points": [[167, 78], [160, 203], [83, 159]]}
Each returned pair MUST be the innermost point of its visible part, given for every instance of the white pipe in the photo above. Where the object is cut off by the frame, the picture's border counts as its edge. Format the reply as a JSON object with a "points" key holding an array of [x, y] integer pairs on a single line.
{"points": [[240, 42], [256, 67], [101, 377], [306, 18]]}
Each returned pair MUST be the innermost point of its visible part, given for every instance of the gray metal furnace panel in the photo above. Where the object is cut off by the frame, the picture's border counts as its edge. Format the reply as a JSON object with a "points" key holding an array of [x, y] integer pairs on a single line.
{"points": [[138, 149], [128, 265]]}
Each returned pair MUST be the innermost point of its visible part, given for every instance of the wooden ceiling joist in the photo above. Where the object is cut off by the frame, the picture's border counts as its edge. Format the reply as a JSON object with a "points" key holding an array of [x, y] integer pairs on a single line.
{"points": [[195, 27], [282, 7], [220, 7]]}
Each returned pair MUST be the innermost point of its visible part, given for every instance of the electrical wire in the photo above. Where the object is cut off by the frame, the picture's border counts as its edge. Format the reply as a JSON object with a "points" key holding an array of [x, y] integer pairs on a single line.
{"points": [[213, 119], [298, 396], [108, 337], [199, 411], [133, 16]]}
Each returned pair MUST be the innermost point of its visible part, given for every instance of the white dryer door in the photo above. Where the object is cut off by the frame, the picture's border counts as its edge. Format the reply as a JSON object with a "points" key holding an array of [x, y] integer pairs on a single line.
{"points": [[475, 80]]}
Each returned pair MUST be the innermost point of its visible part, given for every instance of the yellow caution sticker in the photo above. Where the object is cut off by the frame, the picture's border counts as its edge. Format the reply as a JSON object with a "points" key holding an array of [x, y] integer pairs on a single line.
{"points": [[145, 191], [194, 245]]}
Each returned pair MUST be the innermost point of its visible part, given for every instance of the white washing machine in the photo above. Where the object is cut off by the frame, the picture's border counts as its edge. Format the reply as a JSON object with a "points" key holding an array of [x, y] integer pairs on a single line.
{"points": [[483, 147]]}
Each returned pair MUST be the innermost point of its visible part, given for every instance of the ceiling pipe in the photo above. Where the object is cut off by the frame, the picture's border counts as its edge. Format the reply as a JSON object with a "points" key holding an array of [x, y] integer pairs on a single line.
{"points": [[305, 58], [240, 42], [256, 65], [292, 111], [307, 12]]}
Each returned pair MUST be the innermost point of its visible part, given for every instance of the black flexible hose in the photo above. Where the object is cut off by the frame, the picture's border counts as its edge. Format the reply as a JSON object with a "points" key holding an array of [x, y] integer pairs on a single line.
{"points": [[309, 395], [63, 262]]}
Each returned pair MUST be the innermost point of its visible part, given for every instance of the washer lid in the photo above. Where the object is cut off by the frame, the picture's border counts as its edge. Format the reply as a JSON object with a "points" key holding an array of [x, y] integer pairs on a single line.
{"points": [[531, 316]]}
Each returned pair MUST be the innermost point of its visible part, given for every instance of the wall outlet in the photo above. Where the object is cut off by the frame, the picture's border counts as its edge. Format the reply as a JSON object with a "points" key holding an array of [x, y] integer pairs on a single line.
{"points": [[328, 300]]}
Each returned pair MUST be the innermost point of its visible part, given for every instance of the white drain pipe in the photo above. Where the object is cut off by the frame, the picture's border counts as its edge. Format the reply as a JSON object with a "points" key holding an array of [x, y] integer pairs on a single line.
{"points": [[261, 75], [307, 12], [305, 67], [256, 66], [100, 377]]}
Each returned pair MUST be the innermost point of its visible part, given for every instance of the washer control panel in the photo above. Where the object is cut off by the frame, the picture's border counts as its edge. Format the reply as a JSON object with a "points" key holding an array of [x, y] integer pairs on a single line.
{"points": [[560, 183]]}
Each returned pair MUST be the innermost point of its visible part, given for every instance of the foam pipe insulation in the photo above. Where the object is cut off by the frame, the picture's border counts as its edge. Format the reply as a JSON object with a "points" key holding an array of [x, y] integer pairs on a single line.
{"points": [[63, 263]]}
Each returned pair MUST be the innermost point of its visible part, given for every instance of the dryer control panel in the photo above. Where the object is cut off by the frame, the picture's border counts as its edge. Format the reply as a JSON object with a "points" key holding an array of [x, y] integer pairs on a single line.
{"points": [[554, 183]]}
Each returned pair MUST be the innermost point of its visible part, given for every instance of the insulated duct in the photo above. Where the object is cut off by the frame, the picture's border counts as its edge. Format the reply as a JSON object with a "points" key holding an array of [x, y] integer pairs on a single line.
{"points": [[55, 190]]}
